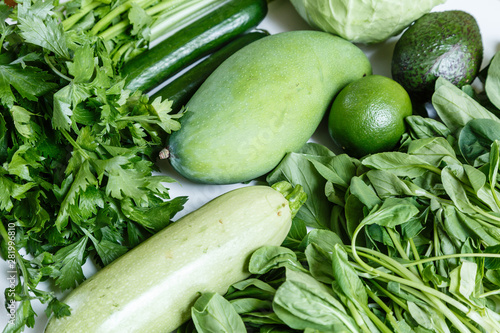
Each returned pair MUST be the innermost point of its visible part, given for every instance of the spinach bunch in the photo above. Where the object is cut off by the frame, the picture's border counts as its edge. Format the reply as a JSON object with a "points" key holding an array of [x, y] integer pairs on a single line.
{"points": [[400, 241], [77, 153]]}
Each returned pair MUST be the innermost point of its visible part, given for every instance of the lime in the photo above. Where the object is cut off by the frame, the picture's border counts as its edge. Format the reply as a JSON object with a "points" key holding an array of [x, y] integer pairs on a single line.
{"points": [[367, 116]]}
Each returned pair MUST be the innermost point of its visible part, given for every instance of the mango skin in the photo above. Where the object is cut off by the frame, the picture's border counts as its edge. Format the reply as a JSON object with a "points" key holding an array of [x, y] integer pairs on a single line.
{"points": [[262, 102]]}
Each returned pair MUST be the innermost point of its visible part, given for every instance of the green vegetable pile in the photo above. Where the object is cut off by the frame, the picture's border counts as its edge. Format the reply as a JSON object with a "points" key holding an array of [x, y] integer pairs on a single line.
{"points": [[77, 155], [401, 241], [130, 27]]}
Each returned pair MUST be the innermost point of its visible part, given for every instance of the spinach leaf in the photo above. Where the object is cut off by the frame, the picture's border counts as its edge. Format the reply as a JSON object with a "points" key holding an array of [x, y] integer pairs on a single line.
{"points": [[455, 108], [325, 239], [492, 83], [319, 263], [428, 318], [365, 194], [463, 283], [347, 278], [423, 128], [251, 287], [297, 169], [492, 263], [401, 164], [213, 313], [434, 151], [476, 138], [269, 257], [393, 212], [303, 302]]}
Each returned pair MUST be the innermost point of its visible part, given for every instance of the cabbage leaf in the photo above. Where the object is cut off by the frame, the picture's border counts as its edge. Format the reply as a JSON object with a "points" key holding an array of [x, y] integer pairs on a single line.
{"points": [[363, 21]]}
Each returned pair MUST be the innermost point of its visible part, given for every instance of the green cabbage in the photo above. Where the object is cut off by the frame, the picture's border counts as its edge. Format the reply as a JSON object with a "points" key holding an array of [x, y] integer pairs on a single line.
{"points": [[363, 21]]}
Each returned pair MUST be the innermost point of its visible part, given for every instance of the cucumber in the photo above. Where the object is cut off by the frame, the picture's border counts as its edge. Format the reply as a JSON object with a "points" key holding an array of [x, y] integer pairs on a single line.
{"points": [[264, 101], [198, 39], [180, 90], [152, 287]]}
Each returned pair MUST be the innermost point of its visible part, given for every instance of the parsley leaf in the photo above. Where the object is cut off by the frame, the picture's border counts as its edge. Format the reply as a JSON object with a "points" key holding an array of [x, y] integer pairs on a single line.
{"points": [[71, 259], [30, 82], [77, 155], [46, 33]]}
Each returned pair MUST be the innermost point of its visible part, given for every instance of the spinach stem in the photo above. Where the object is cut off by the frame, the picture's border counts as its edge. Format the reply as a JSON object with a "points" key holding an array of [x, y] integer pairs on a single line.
{"points": [[493, 174], [399, 313], [399, 247], [434, 295], [388, 311], [494, 195], [490, 293], [416, 255], [432, 168], [357, 317], [490, 217], [452, 256], [376, 320], [454, 318], [396, 300]]}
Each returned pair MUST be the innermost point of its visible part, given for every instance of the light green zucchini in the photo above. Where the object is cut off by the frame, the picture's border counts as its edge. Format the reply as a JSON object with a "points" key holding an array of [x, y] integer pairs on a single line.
{"points": [[264, 101], [152, 287]]}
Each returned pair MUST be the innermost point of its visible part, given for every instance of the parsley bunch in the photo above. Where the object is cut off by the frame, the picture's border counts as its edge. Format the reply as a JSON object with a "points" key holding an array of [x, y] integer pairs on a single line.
{"points": [[77, 172]]}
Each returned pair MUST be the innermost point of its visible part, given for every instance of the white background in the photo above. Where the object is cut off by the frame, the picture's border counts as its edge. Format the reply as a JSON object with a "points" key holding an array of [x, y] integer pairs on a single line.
{"points": [[282, 17]]}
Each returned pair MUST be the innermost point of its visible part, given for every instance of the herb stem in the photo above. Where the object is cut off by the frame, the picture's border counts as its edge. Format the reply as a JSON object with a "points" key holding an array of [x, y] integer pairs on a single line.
{"points": [[19, 259], [54, 69], [74, 144], [115, 30], [179, 12], [108, 18], [73, 19], [168, 4]]}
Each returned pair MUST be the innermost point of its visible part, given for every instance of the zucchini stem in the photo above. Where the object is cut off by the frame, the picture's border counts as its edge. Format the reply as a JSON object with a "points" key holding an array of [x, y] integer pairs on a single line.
{"points": [[295, 195]]}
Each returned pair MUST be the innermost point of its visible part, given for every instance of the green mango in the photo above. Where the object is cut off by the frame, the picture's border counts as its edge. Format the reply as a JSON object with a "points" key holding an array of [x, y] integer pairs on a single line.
{"points": [[264, 101]]}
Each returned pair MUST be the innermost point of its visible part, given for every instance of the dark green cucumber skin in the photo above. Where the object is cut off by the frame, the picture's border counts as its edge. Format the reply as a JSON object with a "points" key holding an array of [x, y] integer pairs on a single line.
{"points": [[200, 38], [184, 86]]}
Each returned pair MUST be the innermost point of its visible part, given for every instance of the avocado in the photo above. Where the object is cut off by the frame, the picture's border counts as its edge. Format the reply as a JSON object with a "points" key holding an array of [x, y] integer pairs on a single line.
{"points": [[444, 44]]}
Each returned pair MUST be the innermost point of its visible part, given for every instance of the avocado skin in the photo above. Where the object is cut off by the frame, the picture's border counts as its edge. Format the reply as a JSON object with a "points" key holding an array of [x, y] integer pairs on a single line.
{"points": [[444, 44]]}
